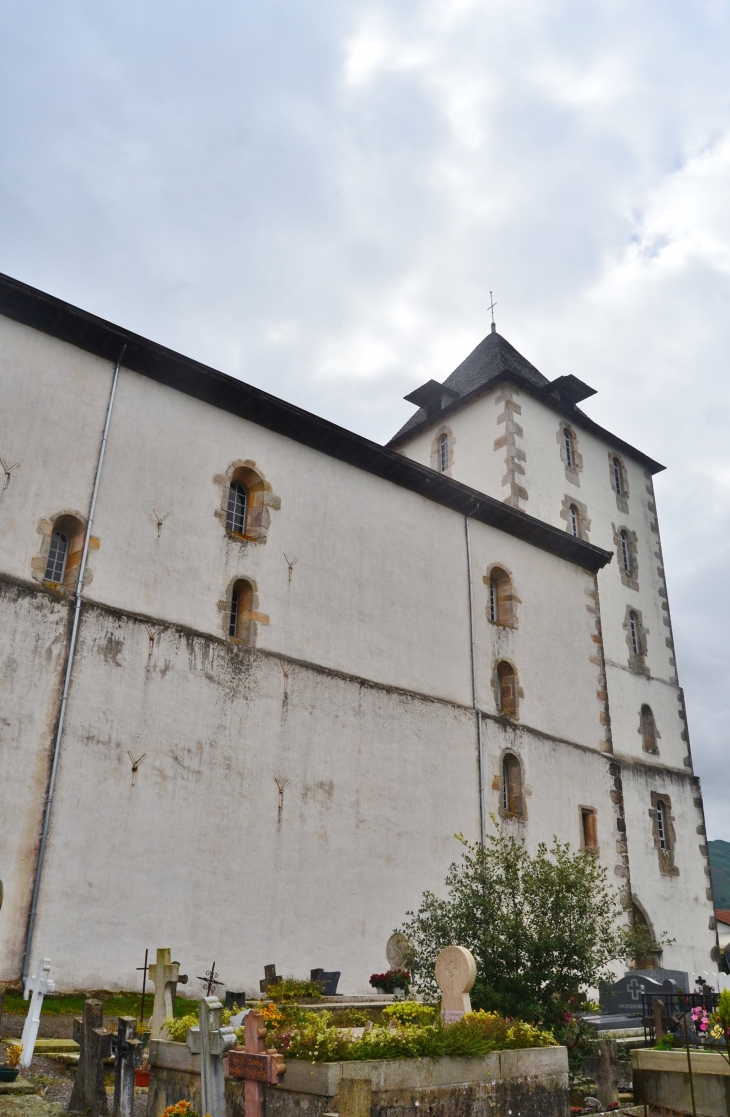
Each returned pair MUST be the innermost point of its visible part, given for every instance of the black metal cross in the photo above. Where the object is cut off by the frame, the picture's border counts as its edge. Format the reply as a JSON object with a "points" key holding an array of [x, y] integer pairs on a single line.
{"points": [[492, 305], [144, 970], [210, 980]]}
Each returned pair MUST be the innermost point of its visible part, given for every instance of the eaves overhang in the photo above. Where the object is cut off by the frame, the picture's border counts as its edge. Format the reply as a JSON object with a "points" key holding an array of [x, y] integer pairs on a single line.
{"points": [[574, 414], [68, 323]]}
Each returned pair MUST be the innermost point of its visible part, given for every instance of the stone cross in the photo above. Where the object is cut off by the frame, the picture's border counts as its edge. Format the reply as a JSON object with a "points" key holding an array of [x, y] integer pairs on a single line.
{"points": [[165, 975], [398, 950], [456, 973], [89, 1095], [127, 1052], [609, 1073], [211, 1042], [36, 988], [254, 1065]]}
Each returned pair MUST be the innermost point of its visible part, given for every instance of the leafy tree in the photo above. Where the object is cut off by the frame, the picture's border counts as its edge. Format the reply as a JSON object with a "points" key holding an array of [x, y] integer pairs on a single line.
{"points": [[540, 927]]}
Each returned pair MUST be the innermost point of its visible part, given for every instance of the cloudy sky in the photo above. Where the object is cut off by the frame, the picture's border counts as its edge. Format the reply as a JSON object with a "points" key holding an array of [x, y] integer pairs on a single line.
{"points": [[318, 195]]}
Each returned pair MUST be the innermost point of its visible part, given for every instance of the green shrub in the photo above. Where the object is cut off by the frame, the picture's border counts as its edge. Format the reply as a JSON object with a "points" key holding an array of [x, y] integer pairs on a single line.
{"points": [[410, 1012], [292, 989]]}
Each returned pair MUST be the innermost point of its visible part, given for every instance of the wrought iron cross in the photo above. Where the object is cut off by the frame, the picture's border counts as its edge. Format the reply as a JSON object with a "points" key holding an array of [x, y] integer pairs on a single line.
{"points": [[145, 967], [210, 980], [492, 306]]}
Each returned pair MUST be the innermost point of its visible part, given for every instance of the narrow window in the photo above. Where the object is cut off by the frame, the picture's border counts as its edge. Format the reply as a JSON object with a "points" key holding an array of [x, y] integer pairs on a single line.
{"points": [[634, 632], [493, 598], [617, 481], [444, 453], [625, 554], [511, 785], [648, 729], [661, 825], [589, 830], [233, 620], [236, 511], [507, 688], [56, 565], [574, 520], [500, 609], [569, 455]]}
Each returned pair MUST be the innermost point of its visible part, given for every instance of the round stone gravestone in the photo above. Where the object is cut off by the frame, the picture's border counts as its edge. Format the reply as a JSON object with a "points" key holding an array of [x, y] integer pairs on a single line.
{"points": [[398, 950]]}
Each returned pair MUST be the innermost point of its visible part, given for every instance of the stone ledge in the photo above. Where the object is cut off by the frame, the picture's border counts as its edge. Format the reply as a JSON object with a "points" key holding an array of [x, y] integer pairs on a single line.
{"points": [[675, 1062]]}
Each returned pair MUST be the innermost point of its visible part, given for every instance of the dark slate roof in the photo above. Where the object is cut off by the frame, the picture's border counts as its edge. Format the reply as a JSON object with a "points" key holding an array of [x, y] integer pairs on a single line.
{"points": [[76, 327], [490, 359]]}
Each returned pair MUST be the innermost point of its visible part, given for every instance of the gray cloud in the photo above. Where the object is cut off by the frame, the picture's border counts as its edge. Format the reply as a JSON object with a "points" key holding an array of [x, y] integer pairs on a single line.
{"points": [[318, 198]]}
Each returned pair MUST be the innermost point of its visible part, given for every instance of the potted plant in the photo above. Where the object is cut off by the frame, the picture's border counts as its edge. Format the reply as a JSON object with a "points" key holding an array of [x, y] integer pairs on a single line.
{"points": [[395, 982], [13, 1051], [142, 1074]]}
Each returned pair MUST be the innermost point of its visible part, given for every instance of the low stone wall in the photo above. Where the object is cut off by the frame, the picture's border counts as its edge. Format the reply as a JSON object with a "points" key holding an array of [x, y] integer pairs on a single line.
{"points": [[532, 1083], [661, 1079]]}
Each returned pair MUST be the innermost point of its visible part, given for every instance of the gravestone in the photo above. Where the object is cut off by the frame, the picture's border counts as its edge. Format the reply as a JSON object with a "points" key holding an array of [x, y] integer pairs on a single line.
{"points": [[127, 1052], [609, 1074], [254, 1065], [398, 951], [456, 973], [327, 979], [88, 1094], [270, 978], [624, 996], [234, 999], [211, 1042], [36, 988], [165, 975]]}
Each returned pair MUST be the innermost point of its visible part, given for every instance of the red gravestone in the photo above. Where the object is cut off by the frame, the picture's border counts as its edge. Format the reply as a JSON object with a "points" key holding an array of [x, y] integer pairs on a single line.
{"points": [[254, 1065]]}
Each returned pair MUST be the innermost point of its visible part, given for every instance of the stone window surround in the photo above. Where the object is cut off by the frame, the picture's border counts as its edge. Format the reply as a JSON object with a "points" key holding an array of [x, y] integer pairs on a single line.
{"points": [[637, 661], [73, 523], [496, 687], [436, 450], [260, 498], [630, 578], [584, 524], [572, 473], [248, 620], [507, 599], [657, 735], [584, 809], [519, 814], [622, 499], [666, 856]]}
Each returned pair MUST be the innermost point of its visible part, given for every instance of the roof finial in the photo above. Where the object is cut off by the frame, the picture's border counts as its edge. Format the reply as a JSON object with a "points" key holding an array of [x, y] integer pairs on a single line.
{"points": [[492, 306]]}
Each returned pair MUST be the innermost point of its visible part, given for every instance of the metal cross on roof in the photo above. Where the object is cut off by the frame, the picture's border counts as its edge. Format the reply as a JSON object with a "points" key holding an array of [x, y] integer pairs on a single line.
{"points": [[491, 307], [210, 980]]}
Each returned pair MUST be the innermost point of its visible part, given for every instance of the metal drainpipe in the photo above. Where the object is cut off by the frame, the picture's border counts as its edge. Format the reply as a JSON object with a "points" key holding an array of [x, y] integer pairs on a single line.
{"points": [[480, 741], [69, 669]]}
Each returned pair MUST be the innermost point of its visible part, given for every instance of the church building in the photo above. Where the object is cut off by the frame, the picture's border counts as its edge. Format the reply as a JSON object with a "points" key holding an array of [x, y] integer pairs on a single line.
{"points": [[256, 671]]}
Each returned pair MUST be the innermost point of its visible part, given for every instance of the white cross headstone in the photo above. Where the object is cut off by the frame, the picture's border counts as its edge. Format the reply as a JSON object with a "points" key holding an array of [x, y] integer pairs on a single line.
{"points": [[211, 1042], [456, 972], [36, 988], [165, 974]]}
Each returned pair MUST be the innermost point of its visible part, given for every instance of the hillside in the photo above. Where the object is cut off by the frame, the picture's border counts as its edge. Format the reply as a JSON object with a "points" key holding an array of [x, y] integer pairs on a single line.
{"points": [[720, 869]]}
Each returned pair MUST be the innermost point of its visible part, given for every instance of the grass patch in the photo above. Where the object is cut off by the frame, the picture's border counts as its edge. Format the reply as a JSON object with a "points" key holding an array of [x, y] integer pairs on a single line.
{"points": [[115, 1004]]}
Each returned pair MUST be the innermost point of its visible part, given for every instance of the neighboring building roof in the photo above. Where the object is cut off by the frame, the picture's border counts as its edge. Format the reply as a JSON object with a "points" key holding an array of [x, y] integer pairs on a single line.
{"points": [[722, 915], [495, 360], [62, 320]]}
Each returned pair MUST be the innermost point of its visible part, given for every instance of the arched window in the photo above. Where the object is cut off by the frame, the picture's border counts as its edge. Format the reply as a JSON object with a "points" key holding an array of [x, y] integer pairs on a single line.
{"points": [[648, 729], [569, 448], [661, 824], [57, 555], [443, 452], [634, 633], [240, 610], [650, 960], [574, 520], [617, 477], [236, 511], [507, 688], [500, 609], [511, 785], [625, 552]]}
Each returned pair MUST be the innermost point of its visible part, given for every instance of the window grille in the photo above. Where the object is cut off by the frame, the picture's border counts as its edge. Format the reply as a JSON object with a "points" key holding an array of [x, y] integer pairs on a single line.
{"points": [[444, 453], [505, 786], [56, 565], [625, 555], [493, 591], [574, 520], [569, 455], [233, 619], [236, 512], [634, 633], [661, 825], [617, 480]]}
